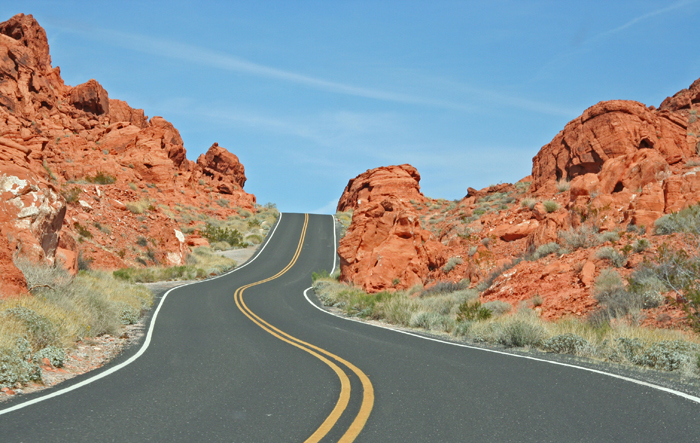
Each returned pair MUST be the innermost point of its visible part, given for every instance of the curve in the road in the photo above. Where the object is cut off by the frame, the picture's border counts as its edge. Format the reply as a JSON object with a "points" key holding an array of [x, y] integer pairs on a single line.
{"points": [[368, 391], [146, 342], [692, 398]]}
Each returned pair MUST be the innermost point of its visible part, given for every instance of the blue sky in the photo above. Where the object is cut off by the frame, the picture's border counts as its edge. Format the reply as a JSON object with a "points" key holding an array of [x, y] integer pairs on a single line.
{"points": [[309, 94]]}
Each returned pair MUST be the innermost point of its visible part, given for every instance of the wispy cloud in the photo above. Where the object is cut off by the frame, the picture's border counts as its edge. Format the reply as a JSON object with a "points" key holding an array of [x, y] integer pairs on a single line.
{"points": [[643, 17], [205, 57], [214, 59]]}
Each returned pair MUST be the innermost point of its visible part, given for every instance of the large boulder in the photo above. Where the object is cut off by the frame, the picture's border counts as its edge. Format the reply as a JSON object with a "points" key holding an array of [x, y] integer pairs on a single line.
{"points": [[90, 97], [222, 169], [400, 181]]}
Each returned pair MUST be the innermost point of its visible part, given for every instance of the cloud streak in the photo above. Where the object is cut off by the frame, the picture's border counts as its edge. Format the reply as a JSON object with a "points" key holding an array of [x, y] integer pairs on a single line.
{"points": [[643, 17], [214, 59]]}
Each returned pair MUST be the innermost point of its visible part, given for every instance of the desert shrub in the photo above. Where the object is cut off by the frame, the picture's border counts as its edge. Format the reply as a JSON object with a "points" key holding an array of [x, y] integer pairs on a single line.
{"points": [[582, 237], [321, 274], [431, 321], [537, 300], [472, 311], [608, 282], [82, 230], [641, 245], [40, 331], [611, 236], [452, 263], [139, 207], [61, 310], [686, 220], [545, 250], [648, 287], [16, 365], [71, 195], [498, 307], [101, 178], [520, 333], [550, 205], [223, 203], [568, 343], [254, 239], [563, 185], [142, 241], [220, 246], [666, 355], [528, 203], [609, 253], [217, 234], [55, 354], [473, 250]]}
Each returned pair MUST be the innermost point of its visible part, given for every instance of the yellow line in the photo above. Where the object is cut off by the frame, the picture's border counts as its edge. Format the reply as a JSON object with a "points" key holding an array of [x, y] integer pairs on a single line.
{"points": [[368, 391]]}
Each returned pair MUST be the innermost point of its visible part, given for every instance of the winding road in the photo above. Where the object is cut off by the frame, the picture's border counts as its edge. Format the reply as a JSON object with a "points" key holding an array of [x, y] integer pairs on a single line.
{"points": [[245, 357]]}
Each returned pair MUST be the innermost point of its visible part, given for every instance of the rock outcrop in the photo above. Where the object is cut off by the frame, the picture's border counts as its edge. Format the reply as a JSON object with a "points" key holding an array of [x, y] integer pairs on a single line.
{"points": [[389, 181], [87, 178], [386, 247], [618, 167]]}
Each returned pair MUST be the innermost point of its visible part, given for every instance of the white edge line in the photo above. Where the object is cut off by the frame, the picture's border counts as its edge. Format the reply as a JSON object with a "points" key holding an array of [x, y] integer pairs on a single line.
{"points": [[461, 345], [146, 342]]}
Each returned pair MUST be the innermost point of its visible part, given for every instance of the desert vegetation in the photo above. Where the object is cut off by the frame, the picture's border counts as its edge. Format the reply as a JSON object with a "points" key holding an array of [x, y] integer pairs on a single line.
{"points": [[454, 309], [61, 310]]}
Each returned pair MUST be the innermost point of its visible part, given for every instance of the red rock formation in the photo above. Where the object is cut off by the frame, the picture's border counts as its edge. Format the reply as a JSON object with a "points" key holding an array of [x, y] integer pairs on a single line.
{"points": [[624, 163], [222, 170], [56, 141], [606, 131], [398, 181], [385, 246]]}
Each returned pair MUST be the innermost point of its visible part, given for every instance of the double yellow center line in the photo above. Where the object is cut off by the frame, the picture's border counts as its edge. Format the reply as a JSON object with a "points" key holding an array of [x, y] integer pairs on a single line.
{"points": [[367, 390]]}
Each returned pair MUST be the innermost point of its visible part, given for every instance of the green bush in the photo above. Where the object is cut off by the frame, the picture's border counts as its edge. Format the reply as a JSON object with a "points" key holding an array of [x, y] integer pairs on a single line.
{"points": [[217, 234], [472, 311]]}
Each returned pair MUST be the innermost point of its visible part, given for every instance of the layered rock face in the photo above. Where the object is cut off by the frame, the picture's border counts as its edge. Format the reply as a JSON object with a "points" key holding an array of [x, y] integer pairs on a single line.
{"points": [[73, 161], [385, 246]]}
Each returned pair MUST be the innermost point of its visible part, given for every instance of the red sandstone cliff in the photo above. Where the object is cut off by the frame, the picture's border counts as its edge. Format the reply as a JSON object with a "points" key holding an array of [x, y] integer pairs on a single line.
{"points": [[58, 141]]}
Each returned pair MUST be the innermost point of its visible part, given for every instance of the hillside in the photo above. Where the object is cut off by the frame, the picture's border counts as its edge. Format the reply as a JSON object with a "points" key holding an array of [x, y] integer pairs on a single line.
{"points": [[588, 211], [86, 180]]}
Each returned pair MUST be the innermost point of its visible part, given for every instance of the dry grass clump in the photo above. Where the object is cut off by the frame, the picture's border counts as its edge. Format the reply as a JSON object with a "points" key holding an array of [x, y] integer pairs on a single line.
{"points": [[60, 311], [459, 313], [550, 205], [140, 206]]}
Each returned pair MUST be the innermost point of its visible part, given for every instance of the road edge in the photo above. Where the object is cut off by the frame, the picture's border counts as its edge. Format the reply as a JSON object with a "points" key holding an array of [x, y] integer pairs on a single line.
{"points": [[147, 340], [684, 395]]}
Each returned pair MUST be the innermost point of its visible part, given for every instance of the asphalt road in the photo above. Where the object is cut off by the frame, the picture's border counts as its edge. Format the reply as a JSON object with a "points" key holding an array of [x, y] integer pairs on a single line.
{"points": [[246, 358]]}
